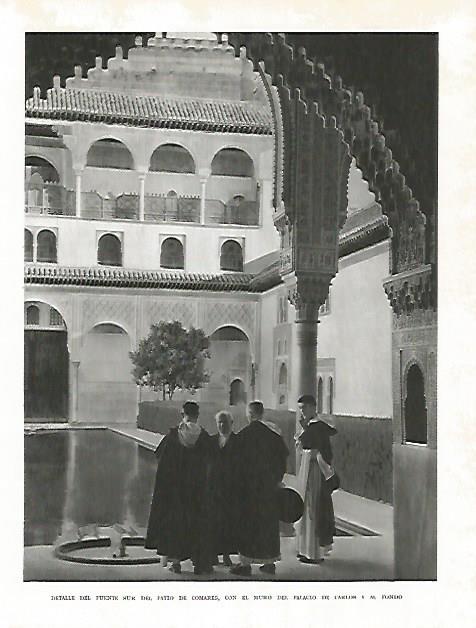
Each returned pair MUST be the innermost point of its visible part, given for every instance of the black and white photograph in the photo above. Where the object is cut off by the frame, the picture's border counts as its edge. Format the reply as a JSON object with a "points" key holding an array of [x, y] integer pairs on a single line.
{"points": [[230, 306], [241, 394]]}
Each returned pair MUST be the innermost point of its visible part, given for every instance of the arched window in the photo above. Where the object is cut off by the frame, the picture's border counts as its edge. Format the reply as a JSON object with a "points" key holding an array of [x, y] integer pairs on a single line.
{"points": [[56, 320], [232, 162], [283, 374], [38, 169], [237, 392], [171, 253], [330, 392], [32, 315], [110, 153], [415, 407], [28, 246], [46, 247], [319, 395], [172, 158], [109, 250], [107, 328], [231, 256]]}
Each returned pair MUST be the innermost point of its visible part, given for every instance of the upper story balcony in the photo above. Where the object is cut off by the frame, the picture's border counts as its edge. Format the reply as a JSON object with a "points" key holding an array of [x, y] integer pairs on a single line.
{"points": [[110, 189], [54, 199]]}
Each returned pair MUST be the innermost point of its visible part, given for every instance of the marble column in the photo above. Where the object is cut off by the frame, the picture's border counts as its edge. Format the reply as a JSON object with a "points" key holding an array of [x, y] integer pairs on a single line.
{"points": [[74, 389], [203, 192], [78, 175], [142, 176]]}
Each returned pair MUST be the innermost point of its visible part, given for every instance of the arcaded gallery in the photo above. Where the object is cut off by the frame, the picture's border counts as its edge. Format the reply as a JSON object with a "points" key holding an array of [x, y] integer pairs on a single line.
{"points": [[238, 184]]}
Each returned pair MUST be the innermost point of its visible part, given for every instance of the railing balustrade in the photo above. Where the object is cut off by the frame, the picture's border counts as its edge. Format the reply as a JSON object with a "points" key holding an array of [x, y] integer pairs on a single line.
{"points": [[50, 198], [55, 199], [233, 213]]}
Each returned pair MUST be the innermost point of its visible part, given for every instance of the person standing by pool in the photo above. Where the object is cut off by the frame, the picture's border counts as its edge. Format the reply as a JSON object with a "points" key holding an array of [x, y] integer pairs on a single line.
{"points": [[223, 485], [317, 526], [262, 454], [178, 519]]}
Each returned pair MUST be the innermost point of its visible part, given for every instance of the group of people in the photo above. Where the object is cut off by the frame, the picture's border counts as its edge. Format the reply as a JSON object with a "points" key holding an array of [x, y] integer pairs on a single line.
{"points": [[218, 495]]}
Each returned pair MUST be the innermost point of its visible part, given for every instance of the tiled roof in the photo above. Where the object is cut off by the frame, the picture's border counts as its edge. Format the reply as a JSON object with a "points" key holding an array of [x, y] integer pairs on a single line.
{"points": [[150, 111], [124, 278]]}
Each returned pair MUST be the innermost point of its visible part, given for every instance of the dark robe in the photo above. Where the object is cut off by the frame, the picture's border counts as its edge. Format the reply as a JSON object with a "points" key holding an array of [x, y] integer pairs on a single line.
{"points": [[317, 436], [262, 454], [225, 503], [178, 519]]}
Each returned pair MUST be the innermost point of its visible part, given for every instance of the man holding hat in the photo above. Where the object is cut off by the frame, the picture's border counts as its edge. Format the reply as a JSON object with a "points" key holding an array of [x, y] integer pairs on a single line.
{"points": [[317, 479]]}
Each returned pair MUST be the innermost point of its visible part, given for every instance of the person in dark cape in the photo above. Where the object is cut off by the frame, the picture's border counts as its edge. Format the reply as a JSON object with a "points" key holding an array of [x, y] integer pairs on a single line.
{"points": [[317, 525], [262, 454], [223, 486], [178, 520]]}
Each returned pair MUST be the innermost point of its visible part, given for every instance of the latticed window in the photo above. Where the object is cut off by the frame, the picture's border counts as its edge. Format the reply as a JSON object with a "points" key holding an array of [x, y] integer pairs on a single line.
{"points": [[56, 320], [28, 246], [231, 257], [46, 247], [109, 250], [171, 254], [32, 315]]}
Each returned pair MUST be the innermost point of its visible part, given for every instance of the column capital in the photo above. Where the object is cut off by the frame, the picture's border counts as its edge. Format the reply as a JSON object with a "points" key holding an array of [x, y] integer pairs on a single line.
{"points": [[307, 294], [204, 174]]}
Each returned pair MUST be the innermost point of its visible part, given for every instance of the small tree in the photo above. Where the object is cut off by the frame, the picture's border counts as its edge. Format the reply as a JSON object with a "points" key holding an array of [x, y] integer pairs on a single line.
{"points": [[171, 357]]}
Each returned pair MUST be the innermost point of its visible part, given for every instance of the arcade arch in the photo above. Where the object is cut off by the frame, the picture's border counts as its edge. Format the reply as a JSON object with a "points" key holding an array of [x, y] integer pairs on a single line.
{"points": [[232, 162], [172, 158], [106, 391], [46, 363], [110, 153]]}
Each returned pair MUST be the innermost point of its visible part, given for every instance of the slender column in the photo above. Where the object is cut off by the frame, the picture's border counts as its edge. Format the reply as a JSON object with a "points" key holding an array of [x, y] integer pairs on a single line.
{"points": [[203, 192], [141, 195], [73, 388], [78, 174]]}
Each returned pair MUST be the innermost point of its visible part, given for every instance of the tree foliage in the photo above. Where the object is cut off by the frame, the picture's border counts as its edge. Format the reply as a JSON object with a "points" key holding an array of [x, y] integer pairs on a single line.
{"points": [[171, 358]]}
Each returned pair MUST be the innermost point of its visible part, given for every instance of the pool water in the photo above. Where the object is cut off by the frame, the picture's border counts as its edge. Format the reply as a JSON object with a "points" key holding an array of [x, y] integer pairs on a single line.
{"points": [[77, 478], [80, 478]]}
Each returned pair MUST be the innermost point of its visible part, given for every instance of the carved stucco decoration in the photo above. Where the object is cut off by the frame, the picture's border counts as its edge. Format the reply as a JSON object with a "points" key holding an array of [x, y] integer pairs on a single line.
{"points": [[411, 291], [223, 313], [160, 309], [120, 310], [306, 80]]}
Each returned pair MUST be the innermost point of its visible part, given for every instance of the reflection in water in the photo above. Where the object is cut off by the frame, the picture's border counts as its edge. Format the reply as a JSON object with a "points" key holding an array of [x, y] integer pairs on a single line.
{"points": [[81, 478]]}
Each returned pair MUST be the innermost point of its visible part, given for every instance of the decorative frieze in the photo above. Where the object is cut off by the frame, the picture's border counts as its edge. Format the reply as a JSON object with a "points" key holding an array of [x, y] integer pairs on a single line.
{"points": [[411, 290]]}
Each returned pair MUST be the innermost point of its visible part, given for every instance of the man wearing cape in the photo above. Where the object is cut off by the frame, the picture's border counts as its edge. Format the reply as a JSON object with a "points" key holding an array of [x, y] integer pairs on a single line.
{"points": [[179, 514], [262, 464]]}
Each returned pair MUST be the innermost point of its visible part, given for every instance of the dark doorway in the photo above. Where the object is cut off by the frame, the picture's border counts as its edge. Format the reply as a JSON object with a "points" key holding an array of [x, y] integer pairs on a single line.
{"points": [[46, 375], [415, 407]]}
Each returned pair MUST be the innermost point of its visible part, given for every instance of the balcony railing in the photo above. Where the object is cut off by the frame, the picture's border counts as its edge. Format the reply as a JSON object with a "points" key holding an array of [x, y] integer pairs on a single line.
{"points": [[233, 213], [171, 208], [55, 199], [50, 198], [97, 207]]}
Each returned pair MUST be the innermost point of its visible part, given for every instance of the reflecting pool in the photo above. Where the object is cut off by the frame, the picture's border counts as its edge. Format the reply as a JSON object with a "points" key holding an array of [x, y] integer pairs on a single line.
{"points": [[78, 478]]}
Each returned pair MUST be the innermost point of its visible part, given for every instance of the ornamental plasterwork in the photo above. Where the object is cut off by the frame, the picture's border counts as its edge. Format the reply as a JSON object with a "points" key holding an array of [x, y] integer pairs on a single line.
{"points": [[159, 309], [217, 314], [115, 310]]}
